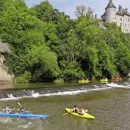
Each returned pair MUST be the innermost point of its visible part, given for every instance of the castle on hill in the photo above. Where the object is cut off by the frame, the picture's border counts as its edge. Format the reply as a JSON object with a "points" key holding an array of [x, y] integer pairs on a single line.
{"points": [[121, 16]]}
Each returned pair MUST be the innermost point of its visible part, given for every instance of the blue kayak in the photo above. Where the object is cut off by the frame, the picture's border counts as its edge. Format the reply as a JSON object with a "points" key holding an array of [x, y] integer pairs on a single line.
{"points": [[24, 115]]}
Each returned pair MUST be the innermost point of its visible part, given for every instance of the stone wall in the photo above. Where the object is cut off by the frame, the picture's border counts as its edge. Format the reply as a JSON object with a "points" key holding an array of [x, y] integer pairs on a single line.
{"points": [[4, 76]]}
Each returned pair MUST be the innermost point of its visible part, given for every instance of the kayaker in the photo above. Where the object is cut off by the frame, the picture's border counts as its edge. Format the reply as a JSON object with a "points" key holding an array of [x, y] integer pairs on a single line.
{"points": [[8, 109], [82, 112], [22, 110], [75, 109]]}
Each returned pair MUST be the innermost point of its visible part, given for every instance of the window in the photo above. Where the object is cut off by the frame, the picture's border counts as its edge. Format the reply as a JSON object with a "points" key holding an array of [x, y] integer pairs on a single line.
{"points": [[120, 19], [120, 24]]}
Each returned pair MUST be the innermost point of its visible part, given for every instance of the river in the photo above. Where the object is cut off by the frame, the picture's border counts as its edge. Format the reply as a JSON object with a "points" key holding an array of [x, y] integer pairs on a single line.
{"points": [[110, 104]]}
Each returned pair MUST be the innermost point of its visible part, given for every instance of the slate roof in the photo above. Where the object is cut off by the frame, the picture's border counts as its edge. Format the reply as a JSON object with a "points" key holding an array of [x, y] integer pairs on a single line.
{"points": [[110, 4]]}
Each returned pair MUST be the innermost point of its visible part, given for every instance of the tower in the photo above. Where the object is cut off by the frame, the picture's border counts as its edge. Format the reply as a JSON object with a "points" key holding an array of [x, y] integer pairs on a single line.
{"points": [[110, 12]]}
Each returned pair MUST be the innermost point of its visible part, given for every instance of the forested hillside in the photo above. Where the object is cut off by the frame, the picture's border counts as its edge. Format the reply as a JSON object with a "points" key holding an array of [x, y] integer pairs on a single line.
{"points": [[47, 44]]}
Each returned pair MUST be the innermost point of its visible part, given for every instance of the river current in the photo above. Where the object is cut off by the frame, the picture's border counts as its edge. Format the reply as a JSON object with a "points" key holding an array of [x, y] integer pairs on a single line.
{"points": [[109, 103]]}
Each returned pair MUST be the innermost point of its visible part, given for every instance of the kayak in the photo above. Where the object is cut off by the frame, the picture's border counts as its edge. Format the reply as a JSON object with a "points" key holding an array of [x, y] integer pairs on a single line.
{"points": [[117, 79], [86, 116], [24, 115], [105, 80], [84, 81]]}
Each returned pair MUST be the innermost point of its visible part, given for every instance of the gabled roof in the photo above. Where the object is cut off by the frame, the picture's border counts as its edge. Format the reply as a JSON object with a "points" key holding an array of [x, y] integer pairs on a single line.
{"points": [[110, 4], [4, 47]]}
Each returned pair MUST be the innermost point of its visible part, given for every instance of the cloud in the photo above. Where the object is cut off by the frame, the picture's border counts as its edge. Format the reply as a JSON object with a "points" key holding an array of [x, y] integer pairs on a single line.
{"points": [[69, 6]]}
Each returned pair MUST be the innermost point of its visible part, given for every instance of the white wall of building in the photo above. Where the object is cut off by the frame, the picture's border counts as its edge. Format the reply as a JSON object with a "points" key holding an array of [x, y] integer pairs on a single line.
{"points": [[111, 15], [123, 22]]}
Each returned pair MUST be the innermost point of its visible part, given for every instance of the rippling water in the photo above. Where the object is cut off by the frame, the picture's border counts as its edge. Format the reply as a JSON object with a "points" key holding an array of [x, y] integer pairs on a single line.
{"points": [[110, 104]]}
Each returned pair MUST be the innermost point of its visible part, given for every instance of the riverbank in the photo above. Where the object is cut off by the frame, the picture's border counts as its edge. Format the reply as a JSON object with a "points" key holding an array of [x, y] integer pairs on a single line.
{"points": [[11, 85]]}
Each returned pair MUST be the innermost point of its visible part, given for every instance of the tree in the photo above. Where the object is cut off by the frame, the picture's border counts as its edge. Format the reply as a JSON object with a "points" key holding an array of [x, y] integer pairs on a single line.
{"points": [[82, 11], [42, 63], [44, 11]]}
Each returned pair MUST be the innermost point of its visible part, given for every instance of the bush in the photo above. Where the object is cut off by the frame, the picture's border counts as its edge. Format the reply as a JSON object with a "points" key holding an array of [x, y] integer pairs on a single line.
{"points": [[24, 78], [58, 81]]}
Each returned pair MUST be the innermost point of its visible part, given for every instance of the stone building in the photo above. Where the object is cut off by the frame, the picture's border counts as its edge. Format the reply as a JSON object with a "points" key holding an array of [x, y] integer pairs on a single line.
{"points": [[120, 16], [4, 76]]}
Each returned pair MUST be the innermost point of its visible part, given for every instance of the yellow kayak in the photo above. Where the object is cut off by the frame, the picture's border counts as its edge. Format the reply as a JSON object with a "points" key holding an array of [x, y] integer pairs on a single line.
{"points": [[86, 116], [84, 81], [105, 80]]}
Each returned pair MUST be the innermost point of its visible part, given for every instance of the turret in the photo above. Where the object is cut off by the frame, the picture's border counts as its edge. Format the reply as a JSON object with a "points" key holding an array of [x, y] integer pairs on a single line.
{"points": [[110, 12]]}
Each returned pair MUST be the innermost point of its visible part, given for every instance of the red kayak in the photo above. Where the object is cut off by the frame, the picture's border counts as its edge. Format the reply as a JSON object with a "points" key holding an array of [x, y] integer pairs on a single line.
{"points": [[117, 79]]}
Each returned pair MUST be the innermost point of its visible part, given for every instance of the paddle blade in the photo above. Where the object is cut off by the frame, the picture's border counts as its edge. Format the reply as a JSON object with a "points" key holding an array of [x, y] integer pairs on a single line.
{"points": [[65, 114], [19, 104], [86, 110]]}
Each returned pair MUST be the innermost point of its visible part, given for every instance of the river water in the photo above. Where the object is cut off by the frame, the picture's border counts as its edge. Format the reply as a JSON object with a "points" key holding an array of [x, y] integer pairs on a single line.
{"points": [[110, 104]]}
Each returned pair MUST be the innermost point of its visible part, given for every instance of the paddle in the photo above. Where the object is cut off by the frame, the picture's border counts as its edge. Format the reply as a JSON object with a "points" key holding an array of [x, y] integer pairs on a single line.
{"points": [[65, 114], [19, 104], [86, 110], [21, 107], [3, 109]]}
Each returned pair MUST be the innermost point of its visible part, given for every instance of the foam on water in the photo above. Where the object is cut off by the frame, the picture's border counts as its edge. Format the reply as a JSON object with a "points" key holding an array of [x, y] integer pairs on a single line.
{"points": [[25, 126], [35, 95], [114, 85], [10, 96], [72, 91]]}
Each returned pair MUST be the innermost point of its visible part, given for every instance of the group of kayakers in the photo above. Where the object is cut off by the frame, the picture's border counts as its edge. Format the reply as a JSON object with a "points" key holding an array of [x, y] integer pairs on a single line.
{"points": [[80, 111], [9, 110]]}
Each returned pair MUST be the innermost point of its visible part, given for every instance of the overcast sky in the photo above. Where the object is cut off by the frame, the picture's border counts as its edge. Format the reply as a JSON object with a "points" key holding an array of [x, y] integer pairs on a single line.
{"points": [[69, 6]]}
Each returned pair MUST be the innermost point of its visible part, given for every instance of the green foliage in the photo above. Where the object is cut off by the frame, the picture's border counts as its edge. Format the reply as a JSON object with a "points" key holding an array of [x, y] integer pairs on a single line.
{"points": [[59, 81], [122, 58], [71, 70], [44, 11], [42, 63], [24, 78], [16, 64], [106, 59], [47, 44]]}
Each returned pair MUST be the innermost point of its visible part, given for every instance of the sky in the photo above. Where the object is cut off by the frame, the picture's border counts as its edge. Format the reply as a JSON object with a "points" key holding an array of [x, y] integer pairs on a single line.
{"points": [[69, 6]]}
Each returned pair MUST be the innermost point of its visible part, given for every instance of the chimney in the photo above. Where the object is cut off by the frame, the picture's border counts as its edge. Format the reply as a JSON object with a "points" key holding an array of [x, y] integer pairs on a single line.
{"points": [[120, 9], [126, 10], [95, 15]]}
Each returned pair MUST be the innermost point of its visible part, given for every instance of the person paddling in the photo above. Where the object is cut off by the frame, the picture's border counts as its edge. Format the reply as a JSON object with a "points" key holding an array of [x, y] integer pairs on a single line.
{"points": [[8, 109], [75, 109], [82, 112], [22, 110]]}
